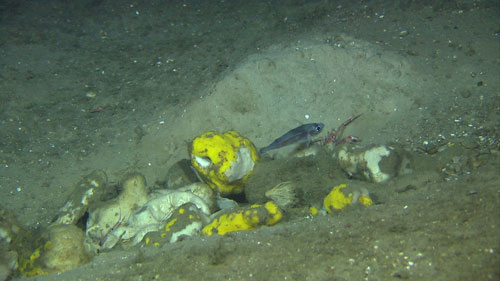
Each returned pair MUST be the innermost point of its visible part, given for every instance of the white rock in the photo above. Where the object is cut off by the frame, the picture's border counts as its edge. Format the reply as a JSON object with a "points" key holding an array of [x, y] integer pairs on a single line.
{"points": [[109, 224], [244, 164], [366, 163]]}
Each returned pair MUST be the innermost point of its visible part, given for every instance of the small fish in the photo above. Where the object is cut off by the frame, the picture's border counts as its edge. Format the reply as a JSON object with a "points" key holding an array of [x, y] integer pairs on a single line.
{"points": [[301, 134]]}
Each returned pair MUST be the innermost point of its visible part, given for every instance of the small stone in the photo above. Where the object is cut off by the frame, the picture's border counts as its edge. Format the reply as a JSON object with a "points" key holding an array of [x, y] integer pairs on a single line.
{"points": [[404, 33], [465, 94], [181, 174], [91, 95]]}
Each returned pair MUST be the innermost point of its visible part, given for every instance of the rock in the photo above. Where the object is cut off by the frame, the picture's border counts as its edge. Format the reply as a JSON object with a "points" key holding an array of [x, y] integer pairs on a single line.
{"points": [[88, 190], [375, 164], [135, 213], [186, 221], [105, 217], [181, 174], [65, 250]]}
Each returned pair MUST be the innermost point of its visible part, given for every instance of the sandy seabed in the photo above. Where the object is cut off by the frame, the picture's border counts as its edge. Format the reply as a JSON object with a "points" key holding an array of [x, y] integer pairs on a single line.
{"points": [[122, 86]]}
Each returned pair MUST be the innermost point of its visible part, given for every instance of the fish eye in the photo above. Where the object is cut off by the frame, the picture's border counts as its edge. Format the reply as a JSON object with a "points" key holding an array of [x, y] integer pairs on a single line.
{"points": [[318, 128]]}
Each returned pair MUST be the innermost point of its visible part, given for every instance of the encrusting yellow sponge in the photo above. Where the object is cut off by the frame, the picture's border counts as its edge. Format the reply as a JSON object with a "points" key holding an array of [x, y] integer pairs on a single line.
{"points": [[365, 200], [337, 200], [244, 219], [224, 161]]}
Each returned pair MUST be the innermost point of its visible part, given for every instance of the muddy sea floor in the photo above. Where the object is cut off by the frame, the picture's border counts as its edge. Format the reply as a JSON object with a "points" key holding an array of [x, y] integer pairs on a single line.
{"points": [[123, 86]]}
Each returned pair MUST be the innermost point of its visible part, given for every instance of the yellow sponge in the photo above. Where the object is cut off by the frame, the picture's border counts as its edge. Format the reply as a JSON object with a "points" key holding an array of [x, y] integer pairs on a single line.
{"points": [[244, 219], [336, 199], [224, 161]]}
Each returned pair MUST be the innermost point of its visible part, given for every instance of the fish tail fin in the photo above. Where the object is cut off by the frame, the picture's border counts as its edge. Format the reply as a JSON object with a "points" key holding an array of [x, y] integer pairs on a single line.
{"points": [[263, 150]]}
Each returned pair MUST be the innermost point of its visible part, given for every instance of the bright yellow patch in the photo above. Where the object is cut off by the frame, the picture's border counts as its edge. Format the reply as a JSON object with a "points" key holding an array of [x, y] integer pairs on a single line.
{"points": [[336, 199], [274, 213], [212, 154], [313, 211], [245, 219], [169, 224], [228, 223], [29, 266], [365, 200]]}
